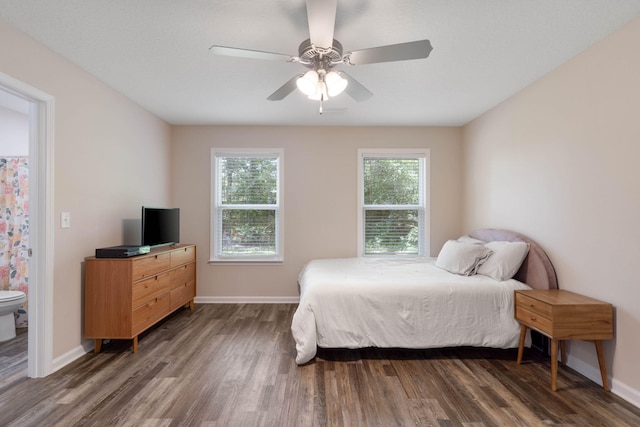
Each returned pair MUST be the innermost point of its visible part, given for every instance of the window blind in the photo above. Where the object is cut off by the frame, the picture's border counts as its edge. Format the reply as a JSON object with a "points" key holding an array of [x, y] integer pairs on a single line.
{"points": [[247, 206], [393, 205]]}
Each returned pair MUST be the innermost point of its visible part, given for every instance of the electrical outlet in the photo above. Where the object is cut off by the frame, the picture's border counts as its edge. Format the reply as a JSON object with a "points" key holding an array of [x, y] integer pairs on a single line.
{"points": [[65, 220]]}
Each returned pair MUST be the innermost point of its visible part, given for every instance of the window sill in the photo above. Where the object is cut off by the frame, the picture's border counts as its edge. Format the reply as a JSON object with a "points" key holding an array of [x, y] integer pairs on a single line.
{"points": [[245, 262]]}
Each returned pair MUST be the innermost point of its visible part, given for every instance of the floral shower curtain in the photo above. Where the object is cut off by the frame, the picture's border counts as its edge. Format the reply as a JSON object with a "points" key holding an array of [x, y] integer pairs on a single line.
{"points": [[14, 228]]}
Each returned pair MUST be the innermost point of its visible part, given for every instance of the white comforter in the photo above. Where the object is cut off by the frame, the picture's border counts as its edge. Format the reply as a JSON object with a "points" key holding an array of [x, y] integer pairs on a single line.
{"points": [[406, 303]]}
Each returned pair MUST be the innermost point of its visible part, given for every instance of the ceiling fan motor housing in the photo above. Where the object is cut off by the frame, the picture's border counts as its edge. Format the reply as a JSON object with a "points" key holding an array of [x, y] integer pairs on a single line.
{"points": [[320, 58]]}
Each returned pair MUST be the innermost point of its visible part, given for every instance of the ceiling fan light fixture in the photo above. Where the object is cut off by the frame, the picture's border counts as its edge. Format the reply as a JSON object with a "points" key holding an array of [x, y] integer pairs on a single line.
{"points": [[320, 94], [335, 83], [308, 83]]}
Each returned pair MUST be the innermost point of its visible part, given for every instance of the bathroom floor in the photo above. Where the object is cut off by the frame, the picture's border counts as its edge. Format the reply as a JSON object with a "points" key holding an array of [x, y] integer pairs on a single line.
{"points": [[13, 357]]}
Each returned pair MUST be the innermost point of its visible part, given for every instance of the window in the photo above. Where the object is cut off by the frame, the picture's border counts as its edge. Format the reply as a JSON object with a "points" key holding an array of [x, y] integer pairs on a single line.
{"points": [[246, 205], [393, 200]]}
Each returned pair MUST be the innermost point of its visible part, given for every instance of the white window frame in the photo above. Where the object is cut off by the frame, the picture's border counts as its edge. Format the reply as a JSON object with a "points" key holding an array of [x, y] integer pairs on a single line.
{"points": [[215, 225], [423, 206]]}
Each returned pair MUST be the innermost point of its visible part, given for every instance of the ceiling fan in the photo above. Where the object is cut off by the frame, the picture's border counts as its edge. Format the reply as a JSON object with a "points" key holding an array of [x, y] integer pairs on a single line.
{"points": [[321, 52]]}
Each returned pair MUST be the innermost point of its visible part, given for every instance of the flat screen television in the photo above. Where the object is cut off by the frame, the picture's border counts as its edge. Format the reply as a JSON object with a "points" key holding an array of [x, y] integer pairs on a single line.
{"points": [[160, 226]]}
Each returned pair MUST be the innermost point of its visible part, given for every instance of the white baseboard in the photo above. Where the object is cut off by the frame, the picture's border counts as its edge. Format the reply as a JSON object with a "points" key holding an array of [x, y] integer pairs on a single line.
{"points": [[618, 388], [629, 394], [71, 355], [589, 371], [247, 300]]}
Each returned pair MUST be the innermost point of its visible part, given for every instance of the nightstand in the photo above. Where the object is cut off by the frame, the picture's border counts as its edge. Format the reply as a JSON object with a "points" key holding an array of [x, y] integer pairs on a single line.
{"points": [[563, 315]]}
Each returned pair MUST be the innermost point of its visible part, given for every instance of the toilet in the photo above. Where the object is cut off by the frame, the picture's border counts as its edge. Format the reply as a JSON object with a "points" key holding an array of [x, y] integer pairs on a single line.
{"points": [[10, 302]]}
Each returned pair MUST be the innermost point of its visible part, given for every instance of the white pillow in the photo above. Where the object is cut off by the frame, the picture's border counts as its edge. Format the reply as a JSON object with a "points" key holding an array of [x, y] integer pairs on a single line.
{"points": [[468, 239], [505, 261], [462, 258]]}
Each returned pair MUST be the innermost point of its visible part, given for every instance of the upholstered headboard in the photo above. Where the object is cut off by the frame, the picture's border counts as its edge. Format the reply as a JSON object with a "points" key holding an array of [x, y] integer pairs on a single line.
{"points": [[536, 270]]}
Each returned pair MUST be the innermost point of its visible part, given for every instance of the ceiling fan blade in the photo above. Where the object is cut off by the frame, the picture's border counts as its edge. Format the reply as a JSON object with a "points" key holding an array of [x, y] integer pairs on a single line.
{"points": [[284, 90], [394, 52], [355, 89], [253, 54], [322, 20]]}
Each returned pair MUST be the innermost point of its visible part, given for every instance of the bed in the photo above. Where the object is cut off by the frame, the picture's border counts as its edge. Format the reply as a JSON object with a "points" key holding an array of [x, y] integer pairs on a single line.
{"points": [[416, 302]]}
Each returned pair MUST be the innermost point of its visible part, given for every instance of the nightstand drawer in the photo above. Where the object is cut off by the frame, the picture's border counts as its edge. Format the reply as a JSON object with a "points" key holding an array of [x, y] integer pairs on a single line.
{"points": [[533, 305], [533, 320]]}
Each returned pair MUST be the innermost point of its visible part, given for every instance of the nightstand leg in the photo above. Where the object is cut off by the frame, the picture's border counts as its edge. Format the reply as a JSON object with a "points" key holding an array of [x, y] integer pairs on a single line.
{"points": [[603, 365], [554, 364], [563, 352], [523, 334], [97, 344]]}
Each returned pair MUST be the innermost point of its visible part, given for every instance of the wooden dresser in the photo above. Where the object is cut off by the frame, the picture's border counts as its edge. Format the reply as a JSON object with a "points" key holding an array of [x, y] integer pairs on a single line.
{"points": [[125, 296], [563, 315]]}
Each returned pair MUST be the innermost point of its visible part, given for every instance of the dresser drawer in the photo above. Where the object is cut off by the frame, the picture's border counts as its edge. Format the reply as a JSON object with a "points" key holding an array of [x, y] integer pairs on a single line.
{"points": [[183, 274], [146, 290], [533, 305], [533, 320], [150, 265], [183, 294], [149, 313], [183, 256]]}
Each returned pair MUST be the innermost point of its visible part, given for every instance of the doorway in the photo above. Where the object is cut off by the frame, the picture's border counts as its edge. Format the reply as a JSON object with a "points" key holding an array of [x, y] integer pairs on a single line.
{"points": [[39, 107], [14, 202]]}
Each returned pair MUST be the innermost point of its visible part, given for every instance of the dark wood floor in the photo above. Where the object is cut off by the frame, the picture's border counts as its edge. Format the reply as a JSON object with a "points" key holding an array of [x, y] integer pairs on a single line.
{"points": [[233, 365]]}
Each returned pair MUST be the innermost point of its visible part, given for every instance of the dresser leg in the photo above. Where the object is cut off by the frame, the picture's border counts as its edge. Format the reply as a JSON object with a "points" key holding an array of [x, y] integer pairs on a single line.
{"points": [[97, 345], [554, 364], [191, 306], [523, 334], [603, 365], [135, 344]]}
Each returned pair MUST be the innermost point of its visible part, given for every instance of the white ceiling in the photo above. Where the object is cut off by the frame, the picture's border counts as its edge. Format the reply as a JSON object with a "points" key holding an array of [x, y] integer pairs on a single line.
{"points": [[156, 53]]}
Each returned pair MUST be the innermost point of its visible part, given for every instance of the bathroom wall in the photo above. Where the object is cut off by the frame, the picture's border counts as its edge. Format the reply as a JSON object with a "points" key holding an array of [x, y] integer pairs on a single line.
{"points": [[14, 129]]}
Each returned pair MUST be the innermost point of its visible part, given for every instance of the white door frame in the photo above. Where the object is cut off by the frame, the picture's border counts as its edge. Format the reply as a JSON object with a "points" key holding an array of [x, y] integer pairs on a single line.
{"points": [[41, 140]]}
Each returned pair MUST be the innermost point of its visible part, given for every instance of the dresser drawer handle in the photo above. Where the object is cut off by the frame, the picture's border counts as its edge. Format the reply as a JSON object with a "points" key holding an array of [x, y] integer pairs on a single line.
{"points": [[534, 319]]}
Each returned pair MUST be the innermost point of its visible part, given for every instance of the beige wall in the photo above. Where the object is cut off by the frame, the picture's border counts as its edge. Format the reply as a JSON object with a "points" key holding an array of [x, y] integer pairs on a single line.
{"points": [[559, 162], [320, 187], [111, 156]]}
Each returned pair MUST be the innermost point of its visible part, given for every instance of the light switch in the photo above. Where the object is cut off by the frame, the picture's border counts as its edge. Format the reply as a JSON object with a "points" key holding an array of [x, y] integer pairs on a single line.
{"points": [[65, 220]]}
